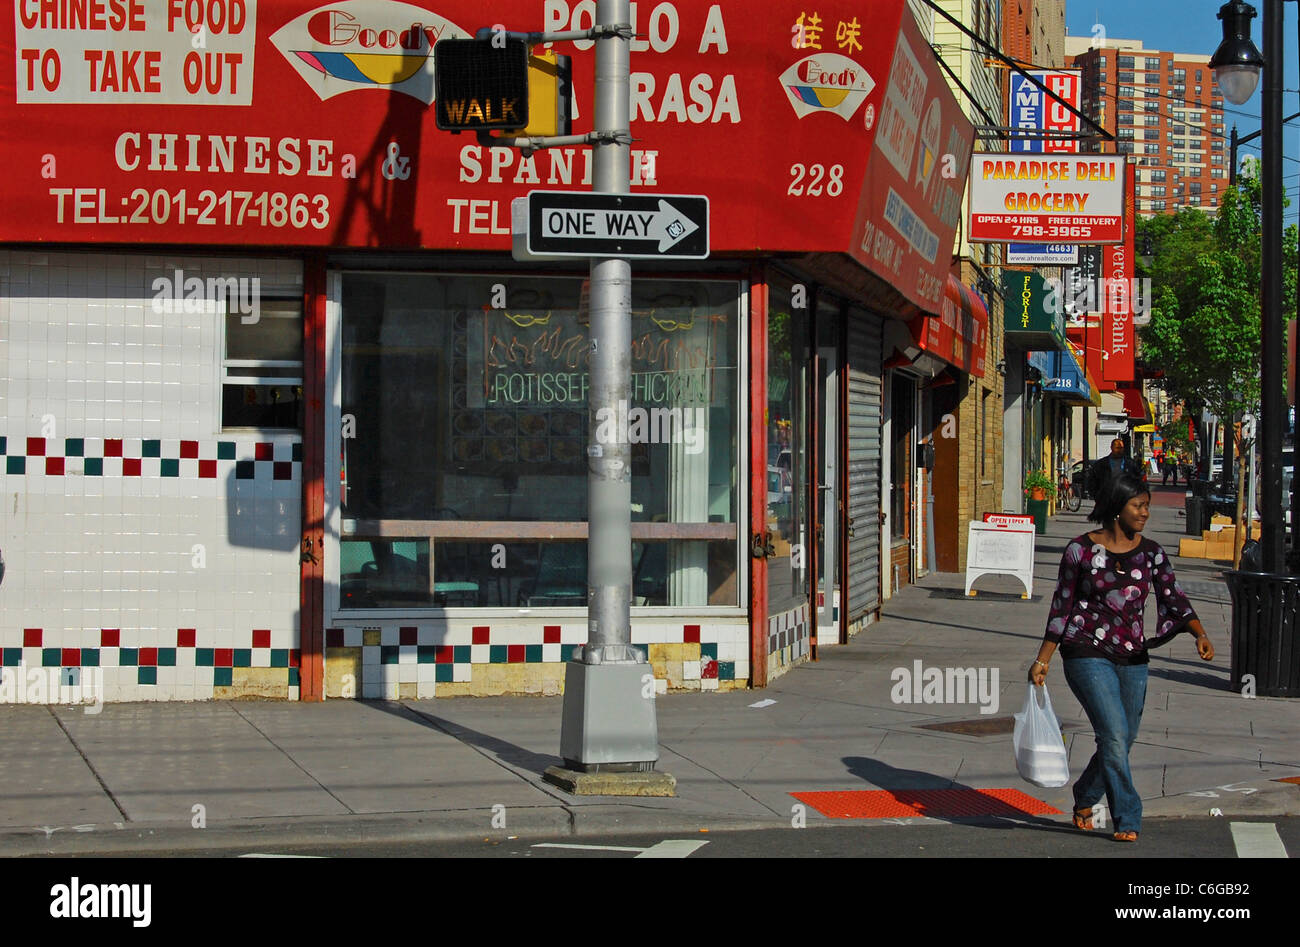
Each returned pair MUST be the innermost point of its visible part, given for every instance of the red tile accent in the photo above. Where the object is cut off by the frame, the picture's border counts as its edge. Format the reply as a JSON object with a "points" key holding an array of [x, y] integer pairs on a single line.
{"points": [[190, 449], [551, 634], [940, 803], [261, 638], [223, 657], [480, 633], [408, 635], [35, 447], [54, 466], [113, 447], [184, 637], [334, 637], [130, 466], [444, 654], [709, 669], [294, 655], [265, 452], [110, 637], [515, 653], [31, 637], [207, 470], [148, 657], [71, 657], [283, 470], [691, 634]]}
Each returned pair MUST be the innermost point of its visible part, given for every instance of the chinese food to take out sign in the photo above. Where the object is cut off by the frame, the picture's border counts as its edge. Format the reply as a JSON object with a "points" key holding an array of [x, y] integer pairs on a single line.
{"points": [[1046, 198], [312, 123]]}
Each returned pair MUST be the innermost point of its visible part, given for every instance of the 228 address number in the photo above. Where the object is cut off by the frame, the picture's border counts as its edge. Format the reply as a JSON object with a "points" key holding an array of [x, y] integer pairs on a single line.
{"points": [[820, 180]]}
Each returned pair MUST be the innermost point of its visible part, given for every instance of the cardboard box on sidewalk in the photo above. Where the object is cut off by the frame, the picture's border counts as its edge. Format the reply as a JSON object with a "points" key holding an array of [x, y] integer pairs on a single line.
{"points": [[1192, 548]]}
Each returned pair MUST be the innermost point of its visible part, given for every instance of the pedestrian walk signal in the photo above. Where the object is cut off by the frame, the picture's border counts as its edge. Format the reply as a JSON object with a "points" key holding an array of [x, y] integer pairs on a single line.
{"points": [[481, 84]]}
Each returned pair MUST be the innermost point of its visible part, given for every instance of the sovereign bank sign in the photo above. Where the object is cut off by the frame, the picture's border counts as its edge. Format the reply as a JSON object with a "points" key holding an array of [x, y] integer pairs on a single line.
{"points": [[365, 44]]}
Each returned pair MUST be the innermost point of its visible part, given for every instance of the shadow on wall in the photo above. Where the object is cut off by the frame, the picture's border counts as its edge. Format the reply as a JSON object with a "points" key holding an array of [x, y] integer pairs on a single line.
{"points": [[258, 518]]}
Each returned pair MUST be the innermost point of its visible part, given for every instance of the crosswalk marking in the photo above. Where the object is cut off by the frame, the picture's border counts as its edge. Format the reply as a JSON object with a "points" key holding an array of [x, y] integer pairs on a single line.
{"points": [[1257, 840], [670, 848]]}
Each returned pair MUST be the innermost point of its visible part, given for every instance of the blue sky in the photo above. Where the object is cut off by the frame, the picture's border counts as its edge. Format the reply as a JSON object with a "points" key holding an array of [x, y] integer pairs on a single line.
{"points": [[1192, 26]]}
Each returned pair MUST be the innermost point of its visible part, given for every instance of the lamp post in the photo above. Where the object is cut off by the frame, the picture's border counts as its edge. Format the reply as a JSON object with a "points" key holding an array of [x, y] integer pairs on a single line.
{"points": [[1265, 604]]}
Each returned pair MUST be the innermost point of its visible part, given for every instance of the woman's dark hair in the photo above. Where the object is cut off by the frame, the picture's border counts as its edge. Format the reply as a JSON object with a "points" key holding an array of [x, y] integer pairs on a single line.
{"points": [[1114, 496]]}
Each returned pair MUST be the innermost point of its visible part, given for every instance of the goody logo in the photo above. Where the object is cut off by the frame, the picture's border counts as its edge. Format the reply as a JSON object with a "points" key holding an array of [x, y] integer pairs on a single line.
{"points": [[365, 44], [827, 82]]}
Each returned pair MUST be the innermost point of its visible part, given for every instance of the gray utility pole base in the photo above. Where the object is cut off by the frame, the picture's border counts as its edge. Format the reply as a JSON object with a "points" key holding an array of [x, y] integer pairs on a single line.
{"points": [[609, 721]]}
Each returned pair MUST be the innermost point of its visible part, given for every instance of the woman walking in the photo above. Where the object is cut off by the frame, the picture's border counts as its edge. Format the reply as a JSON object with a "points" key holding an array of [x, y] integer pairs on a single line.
{"points": [[1097, 621]]}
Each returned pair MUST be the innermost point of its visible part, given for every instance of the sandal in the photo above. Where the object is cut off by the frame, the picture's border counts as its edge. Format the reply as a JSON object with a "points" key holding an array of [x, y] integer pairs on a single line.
{"points": [[1083, 819], [1125, 836]]}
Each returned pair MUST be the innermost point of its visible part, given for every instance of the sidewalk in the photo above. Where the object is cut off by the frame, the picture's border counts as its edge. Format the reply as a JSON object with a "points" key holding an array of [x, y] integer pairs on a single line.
{"points": [[131, 777]]}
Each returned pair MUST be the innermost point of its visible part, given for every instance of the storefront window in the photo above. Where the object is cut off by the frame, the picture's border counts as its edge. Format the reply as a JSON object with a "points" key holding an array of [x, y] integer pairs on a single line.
{"points": [[788, 368], [465, 434]]}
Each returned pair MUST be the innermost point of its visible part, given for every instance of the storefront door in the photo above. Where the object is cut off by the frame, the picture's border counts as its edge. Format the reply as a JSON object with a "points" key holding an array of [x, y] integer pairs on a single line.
{"points": [[828, 496]]}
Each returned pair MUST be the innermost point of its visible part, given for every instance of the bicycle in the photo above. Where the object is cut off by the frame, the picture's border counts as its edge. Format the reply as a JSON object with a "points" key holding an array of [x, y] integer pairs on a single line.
{"points": [[1067, 496]]}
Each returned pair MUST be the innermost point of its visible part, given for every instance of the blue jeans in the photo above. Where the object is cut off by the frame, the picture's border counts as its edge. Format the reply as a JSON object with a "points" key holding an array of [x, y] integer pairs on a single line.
{"points": [[1112, 695]]}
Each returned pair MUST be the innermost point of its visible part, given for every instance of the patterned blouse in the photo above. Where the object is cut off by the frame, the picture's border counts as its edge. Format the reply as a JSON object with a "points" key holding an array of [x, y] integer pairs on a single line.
{"points": [[1101, 597]]}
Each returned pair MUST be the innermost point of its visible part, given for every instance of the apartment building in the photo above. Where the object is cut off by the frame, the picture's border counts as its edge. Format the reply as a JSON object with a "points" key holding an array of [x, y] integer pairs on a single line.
{"points": [[1166, 110]]}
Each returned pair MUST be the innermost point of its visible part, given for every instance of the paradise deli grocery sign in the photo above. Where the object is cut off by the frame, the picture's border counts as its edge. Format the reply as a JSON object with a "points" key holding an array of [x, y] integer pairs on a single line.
{"points": [[1046, 199], [310, 123]]}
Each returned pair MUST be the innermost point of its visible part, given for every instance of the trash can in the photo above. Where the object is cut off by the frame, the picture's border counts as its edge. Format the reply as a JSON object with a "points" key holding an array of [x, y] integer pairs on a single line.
{"points": [[1198, 515], [1038, 510], [1265, 628]]}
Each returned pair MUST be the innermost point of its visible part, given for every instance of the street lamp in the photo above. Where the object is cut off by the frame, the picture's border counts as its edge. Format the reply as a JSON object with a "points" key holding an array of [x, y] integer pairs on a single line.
{"points": [[1237, 62], [1266, 604]]}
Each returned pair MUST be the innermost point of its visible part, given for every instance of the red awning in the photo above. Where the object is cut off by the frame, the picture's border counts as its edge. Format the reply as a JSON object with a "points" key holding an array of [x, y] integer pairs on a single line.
{"points": [[1135, 405], [959, 334]]}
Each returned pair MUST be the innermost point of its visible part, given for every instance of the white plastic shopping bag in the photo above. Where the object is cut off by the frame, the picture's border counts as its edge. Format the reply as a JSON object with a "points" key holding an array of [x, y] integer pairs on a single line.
{"points": [[1040, 752]]}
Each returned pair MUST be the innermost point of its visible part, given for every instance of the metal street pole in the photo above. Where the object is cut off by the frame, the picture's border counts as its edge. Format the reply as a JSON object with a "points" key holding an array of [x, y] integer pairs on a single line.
{"points": [[1272, 343], [609, 737]]}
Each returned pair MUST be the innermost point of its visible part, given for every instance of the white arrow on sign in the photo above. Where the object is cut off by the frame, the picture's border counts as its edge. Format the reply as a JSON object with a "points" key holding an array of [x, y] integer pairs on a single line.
{"points": [[667, 225]]}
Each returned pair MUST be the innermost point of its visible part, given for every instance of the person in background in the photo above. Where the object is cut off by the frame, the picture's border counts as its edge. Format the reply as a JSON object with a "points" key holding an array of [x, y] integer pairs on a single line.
{"points": [[1097, 621], [1109, 467]]}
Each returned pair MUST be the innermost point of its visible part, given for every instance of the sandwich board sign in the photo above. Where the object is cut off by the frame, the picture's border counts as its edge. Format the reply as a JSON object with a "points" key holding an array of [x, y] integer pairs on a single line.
{"points": [[1001, 545]]}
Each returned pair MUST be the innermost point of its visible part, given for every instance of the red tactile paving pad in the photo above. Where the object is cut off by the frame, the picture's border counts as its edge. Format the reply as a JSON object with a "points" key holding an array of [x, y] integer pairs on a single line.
{"points": [[912, 803], [1288, 779]]}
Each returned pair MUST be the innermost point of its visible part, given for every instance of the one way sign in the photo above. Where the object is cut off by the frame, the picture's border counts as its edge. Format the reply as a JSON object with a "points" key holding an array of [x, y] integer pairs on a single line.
{"points": [[580, 223]]}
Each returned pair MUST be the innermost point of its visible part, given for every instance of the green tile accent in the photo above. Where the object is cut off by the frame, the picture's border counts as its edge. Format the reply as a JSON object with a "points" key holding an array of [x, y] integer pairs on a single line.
{"points": [[4, 445], [51, 657], [94, 466], [709, 651], [203, 657], [147, 675], [460, 654], [425, 654], [243, 658], [225, 450], [726, 670], [497, 654], [279, 657], [444, 672], [293, 677], [74, 447], [15, 465], [171, 467], [128, 657], [151, 449], [221, 677], [90, 657], [13, 657], [533, 653], [166, 657], [388, 654]]}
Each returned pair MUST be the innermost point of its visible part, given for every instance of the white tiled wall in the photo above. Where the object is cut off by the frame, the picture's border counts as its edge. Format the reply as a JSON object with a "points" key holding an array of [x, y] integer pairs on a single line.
{"points": [[84, 354]]}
